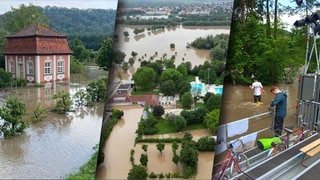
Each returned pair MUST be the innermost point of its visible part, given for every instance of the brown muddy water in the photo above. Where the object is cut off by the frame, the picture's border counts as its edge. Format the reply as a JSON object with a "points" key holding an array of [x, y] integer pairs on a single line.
{"points": [[117, 163], [148, 43], [238, 103], [56, 146], [117, 149]]}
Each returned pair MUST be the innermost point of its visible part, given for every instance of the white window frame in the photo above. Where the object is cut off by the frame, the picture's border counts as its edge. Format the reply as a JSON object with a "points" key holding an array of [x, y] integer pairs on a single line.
{"points": [[11, 66], [47, 68], [60, 67], [30, 68]]}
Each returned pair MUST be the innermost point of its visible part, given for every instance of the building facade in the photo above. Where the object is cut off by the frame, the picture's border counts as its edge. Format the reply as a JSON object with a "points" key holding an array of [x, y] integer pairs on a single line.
{"points": [[38, 54]]}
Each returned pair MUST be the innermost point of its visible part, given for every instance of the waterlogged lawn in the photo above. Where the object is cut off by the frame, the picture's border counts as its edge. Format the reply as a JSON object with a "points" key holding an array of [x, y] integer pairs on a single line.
{"points": [[164, 127]]}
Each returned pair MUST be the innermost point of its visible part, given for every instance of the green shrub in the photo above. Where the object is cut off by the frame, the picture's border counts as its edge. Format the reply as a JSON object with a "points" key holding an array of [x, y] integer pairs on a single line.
{"points": [[152, 175]]}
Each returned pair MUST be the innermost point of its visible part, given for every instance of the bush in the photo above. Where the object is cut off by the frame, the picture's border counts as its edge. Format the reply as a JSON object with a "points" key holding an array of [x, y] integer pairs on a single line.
{"points": [[137, 172], [152, 175], [21, 82], [206, 144]]}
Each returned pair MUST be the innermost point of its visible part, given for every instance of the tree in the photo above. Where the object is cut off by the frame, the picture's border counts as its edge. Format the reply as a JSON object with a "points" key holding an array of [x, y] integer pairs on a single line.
{"points": [[38, 113], [182, 68], [5, 78], [206, 143], [174, 146], [76, 66], [80, 52], [186, 100], [175, 158], [144, 160], [189, 156], [81, 97], [144, 147], [180, 123], [158, 111], [214, 102], [11, 114], [118, 57], [168, 88], [23, 16], [160, 147], [126, 33], [171, 74], [137, 172], [97, 90], [211, 120], [134, 54], [131, 61], [104, 58], [144, 78], [63, 103]]}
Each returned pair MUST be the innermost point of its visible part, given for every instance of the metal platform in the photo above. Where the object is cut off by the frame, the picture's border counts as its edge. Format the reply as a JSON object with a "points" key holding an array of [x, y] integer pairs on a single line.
{"points": [[284, 165]]}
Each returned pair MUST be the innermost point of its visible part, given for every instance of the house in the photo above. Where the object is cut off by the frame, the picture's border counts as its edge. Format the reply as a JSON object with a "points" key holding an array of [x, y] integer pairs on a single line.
{"points": [[38, 54], [126, 99]]}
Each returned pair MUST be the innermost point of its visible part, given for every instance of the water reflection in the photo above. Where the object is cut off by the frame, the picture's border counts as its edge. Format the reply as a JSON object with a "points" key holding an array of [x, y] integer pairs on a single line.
{"points": [[55, 146]]}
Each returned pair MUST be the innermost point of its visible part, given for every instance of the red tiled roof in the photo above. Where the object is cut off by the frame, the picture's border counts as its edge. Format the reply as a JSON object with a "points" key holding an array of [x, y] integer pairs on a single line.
{"points": [[37, 29], [149, 99], [37, 39]]}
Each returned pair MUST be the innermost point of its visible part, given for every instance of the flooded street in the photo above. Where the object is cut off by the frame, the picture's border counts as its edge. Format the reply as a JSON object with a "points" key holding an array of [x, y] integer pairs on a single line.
{"points": [[54, 147], [159, 41], [117, 163]]}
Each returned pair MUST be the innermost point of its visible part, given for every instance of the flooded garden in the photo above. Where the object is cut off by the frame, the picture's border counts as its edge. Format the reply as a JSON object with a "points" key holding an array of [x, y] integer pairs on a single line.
{"points": [[59, 144], [121, 141]]}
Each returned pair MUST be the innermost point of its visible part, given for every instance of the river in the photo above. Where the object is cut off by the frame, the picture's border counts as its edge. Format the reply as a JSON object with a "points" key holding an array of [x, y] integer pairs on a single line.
{"points": [[56, 146]]}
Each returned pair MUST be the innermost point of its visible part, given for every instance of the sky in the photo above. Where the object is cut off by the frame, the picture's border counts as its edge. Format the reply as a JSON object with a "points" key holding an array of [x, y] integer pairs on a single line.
{"points": [[5, 5]]}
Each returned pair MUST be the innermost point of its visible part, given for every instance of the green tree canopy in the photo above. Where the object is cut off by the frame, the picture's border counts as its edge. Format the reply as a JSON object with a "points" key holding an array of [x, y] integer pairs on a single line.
{"points": [[21, 17], [137, 172], [11, 113], [187, 100], [211, 120], [144, 78], [104, 58]]}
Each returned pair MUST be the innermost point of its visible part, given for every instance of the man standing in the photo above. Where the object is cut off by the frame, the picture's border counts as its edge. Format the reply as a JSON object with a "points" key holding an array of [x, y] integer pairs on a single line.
{"points": [[280, 101], [257, 90]]}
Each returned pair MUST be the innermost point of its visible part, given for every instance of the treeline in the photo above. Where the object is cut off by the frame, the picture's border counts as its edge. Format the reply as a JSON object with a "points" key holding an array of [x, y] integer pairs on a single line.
{"points": [[187, 20], [166, 22], [91, 26], [79, 21]]}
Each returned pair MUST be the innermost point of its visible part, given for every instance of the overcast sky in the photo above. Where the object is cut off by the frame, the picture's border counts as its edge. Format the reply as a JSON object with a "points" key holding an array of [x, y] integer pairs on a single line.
{"points": [[5, 5]]}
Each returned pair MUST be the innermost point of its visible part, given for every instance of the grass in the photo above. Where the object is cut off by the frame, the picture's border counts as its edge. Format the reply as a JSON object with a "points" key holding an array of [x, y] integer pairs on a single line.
{"points": [[143, 92], [86, 171], [164, 127], [190, 78]]}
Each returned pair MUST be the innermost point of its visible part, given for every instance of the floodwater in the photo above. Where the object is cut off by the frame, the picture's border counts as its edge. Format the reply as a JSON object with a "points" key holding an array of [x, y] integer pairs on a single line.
{"points": [[117, 149], [238, 102], [56, 146], [117, 163], [158, 42]]}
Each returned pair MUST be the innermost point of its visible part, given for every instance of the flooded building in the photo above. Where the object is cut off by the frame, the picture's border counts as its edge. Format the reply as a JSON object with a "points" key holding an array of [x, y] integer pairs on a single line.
{"points": [[38, 54]]}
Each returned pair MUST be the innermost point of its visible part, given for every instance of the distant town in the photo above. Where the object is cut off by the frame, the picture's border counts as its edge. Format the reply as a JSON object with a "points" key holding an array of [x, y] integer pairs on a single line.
{"points": [[164, 12]]}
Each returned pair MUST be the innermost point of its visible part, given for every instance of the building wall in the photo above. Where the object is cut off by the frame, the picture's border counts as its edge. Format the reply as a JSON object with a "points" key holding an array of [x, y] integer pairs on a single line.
{"points": [[58, 69]]}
